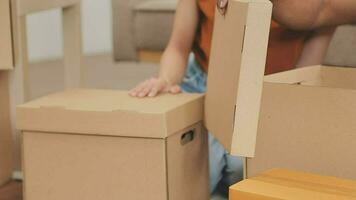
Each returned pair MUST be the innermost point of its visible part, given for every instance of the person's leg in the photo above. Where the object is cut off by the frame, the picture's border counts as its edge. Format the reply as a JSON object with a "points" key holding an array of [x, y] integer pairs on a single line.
{"points": [[217, 162], [195, 81], [232, 173]]}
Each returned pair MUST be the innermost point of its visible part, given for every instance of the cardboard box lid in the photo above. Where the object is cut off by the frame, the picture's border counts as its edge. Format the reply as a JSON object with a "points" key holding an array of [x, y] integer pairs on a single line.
{"points": [[293, 185], [236, 70], [109, 112]]}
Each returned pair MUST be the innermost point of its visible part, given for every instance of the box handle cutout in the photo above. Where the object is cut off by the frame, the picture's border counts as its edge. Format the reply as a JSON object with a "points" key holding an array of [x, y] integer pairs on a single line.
{"points": [[187, 137]]}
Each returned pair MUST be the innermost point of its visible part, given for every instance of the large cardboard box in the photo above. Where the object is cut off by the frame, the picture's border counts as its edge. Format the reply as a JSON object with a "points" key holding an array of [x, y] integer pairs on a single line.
{"points": [[292, 185], [307, 122], [6, 57], [6, 162], [103, 144]]}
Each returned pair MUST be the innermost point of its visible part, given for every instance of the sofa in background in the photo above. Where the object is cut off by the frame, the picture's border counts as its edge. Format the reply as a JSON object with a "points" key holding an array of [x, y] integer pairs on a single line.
{"points": [[343, 47], [141, 28]]}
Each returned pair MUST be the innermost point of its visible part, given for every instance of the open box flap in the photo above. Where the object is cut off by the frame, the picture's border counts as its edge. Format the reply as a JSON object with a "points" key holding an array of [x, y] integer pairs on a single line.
{"points": [[236, 71]]}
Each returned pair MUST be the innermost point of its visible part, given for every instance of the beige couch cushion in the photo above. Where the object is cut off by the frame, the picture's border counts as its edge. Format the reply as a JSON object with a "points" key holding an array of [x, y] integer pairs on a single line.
{"points": [[153, 21], [141, 24], [342, 50]]}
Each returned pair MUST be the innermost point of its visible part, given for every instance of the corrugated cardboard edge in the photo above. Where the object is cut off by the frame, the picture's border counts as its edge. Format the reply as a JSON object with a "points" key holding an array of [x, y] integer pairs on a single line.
{"points": [[244, 161], [224, 69], [91, 122], [184, 116], [6, 57], [6, 154], [231, 51], [106, 122], [193, 173], [250, 88], [295, 76]]}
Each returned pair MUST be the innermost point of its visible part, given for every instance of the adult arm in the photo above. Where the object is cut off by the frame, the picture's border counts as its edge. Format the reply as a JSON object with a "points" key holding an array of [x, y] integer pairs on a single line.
{"points": [[174, 59], [314, 14]]}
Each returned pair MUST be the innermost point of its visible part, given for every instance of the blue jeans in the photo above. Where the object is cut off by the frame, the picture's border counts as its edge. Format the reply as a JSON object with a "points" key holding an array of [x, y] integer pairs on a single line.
{"points": [[224, 169]]}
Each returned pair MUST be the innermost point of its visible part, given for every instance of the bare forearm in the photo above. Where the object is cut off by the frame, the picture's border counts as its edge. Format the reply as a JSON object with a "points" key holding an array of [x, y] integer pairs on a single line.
{"points": [[314, 14], [174, 59], [173, 65]]}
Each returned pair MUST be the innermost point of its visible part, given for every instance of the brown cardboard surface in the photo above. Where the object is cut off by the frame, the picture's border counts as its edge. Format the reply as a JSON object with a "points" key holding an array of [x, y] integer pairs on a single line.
{"points": [[6, 59], [26, 7], [62, 166], [308, 126], [236, 71], [292, 185], [339, 77], [188, 166], [104, 160], [6, 162], [110, 112], [87, 167]]}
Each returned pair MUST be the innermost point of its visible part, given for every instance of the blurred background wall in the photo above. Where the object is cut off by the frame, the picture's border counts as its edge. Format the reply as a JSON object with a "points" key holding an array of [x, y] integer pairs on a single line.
{"points": [[45, 31]]}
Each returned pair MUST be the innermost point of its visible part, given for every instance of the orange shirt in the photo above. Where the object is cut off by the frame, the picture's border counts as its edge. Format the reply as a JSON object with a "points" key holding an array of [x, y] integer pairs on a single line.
{"points": [[284, 48]]}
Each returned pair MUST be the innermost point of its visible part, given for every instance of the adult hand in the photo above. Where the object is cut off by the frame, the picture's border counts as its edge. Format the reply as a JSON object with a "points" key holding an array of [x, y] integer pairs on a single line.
{"points": [[154, 86]]}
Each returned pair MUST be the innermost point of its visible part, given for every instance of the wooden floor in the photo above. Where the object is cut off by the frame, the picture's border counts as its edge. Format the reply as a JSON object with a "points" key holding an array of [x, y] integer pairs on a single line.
{"points": [[11, 191]]}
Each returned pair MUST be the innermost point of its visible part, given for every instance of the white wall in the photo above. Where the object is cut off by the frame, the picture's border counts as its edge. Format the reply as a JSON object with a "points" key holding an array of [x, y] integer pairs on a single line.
{"points": [[45, 31]]}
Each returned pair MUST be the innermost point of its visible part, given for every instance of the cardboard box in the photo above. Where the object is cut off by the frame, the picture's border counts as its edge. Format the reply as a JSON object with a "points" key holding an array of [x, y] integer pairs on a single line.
{"points": [[103, 144], [291, 185], [236, 70], [307, 122], [6, 162], [6, 57]]}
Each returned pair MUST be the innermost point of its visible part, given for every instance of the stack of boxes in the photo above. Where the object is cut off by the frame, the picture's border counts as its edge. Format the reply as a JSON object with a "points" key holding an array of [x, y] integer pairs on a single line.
{"points": [[307, 124], [93, 144], [96, 144], [306, 117], [6, 63]]}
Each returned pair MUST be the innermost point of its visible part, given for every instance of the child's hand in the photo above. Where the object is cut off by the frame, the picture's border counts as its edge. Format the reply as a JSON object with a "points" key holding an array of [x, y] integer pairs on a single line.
{"points": [[153, 87]]}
